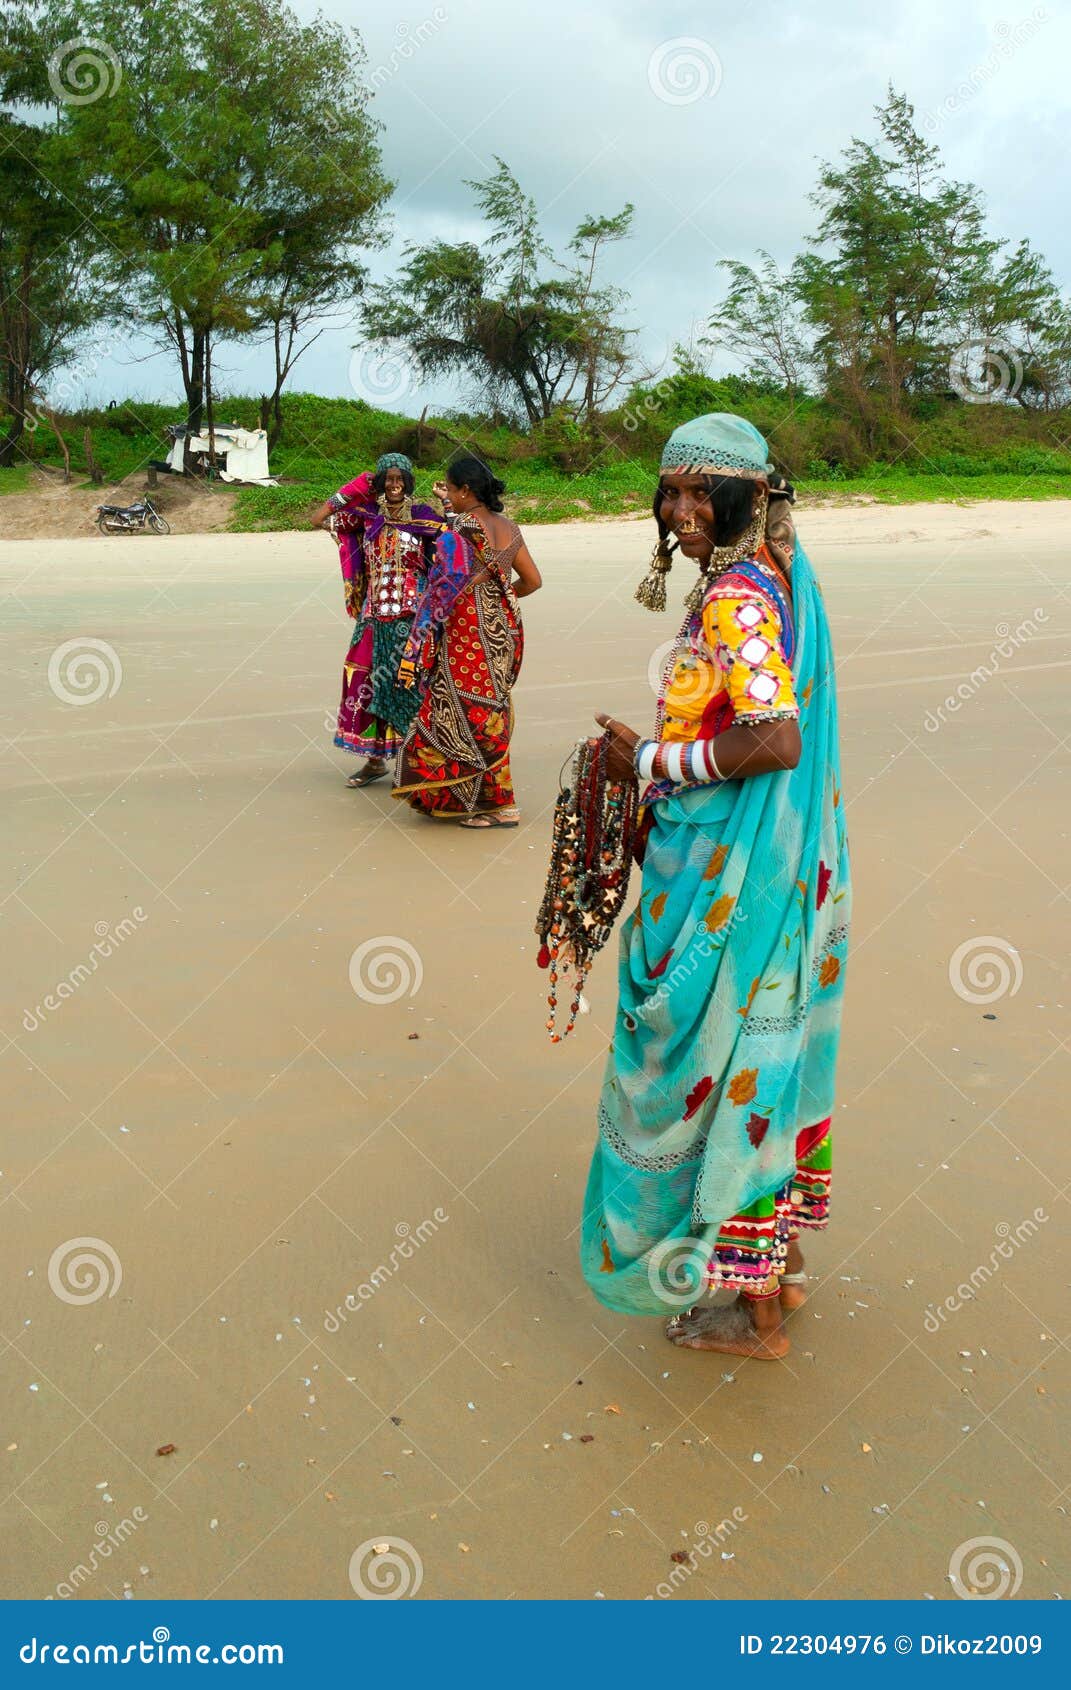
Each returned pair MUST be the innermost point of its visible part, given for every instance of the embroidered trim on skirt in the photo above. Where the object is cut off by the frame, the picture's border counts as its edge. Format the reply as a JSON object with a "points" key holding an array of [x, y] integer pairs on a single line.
{"points": [[752, 1247]]}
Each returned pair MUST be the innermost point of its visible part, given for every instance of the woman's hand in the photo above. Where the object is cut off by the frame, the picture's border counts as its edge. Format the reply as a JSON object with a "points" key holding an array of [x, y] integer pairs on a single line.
{"points": [[439, 489], [623, 743]]}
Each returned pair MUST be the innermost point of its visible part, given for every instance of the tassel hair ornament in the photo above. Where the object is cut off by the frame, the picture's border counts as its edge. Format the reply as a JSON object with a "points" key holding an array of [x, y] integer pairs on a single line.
{"points": [[651, 592]]}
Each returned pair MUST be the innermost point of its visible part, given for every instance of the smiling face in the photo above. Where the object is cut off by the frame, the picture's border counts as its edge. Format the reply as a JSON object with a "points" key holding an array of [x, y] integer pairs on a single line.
{"points": [[686, 508], [393, 486], [458, 496]]}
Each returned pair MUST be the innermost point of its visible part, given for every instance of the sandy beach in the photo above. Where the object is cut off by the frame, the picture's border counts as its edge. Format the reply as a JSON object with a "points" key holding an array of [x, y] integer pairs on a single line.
{"points": [[270, 1044]]}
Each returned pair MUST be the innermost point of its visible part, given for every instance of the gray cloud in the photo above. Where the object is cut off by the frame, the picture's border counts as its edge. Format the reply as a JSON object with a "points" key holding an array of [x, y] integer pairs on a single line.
{"points": [[563, 93]]}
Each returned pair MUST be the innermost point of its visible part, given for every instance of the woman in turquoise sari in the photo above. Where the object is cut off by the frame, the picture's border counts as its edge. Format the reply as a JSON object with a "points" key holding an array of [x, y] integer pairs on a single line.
{"points": [[714, 1123]]}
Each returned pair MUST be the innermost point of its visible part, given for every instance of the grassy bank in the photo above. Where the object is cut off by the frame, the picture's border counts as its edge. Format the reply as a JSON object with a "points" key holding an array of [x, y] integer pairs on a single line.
{"points": [[943, 451]]}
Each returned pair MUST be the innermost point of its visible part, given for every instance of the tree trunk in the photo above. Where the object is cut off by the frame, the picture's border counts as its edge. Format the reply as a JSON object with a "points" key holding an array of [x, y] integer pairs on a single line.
{"points": [[9, 444], [195, 385], [96, 474], [210, 414], [63, 446], [277, 420]]}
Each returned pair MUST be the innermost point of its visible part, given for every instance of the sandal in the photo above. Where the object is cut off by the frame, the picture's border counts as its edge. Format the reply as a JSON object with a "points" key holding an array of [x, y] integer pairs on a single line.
{"points": [[509, 817], [365, 777]]}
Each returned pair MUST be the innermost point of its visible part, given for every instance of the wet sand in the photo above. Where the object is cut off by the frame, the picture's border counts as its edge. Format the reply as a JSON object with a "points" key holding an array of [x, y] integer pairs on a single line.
{"points": [[251, 1138]]}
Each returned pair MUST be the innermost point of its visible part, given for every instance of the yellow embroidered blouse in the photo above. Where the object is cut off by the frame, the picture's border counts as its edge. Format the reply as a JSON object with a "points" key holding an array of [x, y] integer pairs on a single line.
{"points": [[733, 669]]}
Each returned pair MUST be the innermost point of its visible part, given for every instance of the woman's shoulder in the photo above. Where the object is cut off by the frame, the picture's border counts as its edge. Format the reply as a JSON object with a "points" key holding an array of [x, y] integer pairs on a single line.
{"points": [[749, 583], [500, 528], [753, 575]]}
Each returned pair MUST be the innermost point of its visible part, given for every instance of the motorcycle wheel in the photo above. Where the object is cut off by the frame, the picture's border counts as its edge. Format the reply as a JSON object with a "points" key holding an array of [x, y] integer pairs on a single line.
{"points": [[105, 526], [158, 525]]}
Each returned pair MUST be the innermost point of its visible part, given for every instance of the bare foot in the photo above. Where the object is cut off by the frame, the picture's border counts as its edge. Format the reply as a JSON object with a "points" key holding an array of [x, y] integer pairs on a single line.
{"points": [[733, 1331]]}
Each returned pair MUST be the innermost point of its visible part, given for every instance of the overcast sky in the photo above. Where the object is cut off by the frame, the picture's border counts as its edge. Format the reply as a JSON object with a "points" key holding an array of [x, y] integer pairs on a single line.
{"points": [[711, 118]]}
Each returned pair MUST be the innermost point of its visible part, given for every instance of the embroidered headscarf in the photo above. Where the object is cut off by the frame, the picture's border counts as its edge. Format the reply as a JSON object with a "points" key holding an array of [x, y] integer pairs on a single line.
{"points": [[394, 460], [717, 444]]}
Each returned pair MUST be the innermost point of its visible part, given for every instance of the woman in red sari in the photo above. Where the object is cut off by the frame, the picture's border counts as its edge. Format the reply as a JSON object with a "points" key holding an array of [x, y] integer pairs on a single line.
{"points": [[464, 653]]}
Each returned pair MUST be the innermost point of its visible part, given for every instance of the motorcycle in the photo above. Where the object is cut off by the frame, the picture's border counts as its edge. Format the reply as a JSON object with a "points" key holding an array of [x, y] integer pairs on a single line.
{"points": [[131, 519]]}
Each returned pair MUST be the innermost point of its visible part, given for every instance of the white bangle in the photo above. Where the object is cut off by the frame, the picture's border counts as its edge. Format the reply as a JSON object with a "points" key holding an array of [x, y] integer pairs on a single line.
{"points": [[712, 761], [643, 758]]}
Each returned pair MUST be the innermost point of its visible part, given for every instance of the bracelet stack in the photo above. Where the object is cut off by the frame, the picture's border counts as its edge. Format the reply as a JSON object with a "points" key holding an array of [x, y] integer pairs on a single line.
{"points": [[677, 763]]}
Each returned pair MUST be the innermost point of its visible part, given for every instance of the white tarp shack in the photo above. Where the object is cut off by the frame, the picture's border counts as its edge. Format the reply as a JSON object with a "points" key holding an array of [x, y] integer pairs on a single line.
{"points": [[241, 453]]}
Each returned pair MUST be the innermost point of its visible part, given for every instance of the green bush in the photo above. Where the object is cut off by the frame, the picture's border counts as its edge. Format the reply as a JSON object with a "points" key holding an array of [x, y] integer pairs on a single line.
{"points": [[938, 448]]}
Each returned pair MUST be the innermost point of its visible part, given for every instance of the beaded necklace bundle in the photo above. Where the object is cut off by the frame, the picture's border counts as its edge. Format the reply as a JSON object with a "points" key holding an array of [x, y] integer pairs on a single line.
{"points": [[587, 882]]}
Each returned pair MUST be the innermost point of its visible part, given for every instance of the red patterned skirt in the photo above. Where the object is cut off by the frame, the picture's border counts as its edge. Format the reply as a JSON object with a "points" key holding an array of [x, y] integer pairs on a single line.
{"points": [[455, 760]]}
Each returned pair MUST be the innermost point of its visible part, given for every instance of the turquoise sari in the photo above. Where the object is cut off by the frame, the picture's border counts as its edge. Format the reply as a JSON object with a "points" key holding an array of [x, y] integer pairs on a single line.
{"points": [[731, 980]]}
